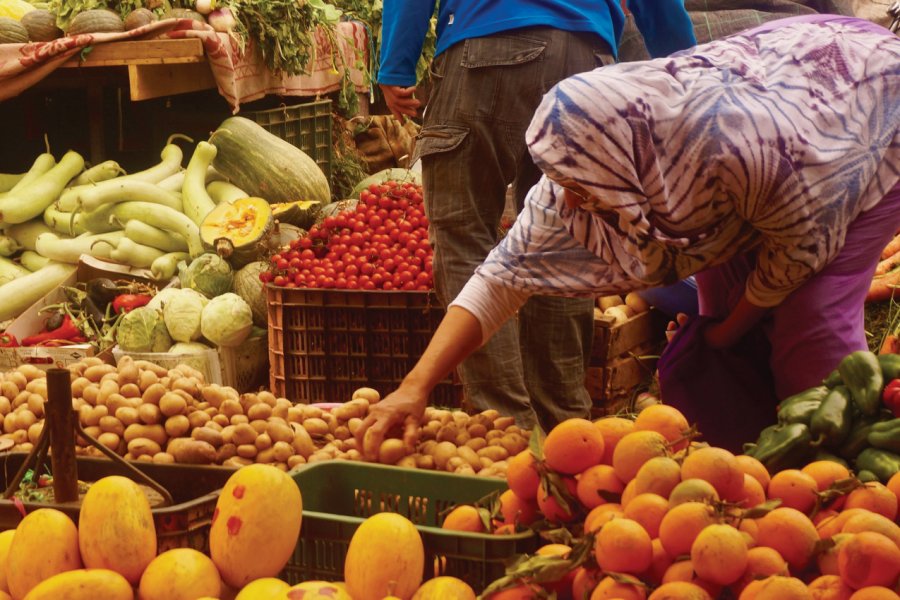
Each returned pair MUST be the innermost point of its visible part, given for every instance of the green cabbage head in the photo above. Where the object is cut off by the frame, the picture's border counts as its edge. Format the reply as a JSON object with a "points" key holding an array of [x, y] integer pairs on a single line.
{"points": [[182, 315], [209, 274], [227, 320], [143, 330]]}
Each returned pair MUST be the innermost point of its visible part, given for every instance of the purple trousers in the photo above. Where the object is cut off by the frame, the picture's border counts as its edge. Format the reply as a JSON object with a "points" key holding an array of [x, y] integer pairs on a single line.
{"points": [[822, 321]]}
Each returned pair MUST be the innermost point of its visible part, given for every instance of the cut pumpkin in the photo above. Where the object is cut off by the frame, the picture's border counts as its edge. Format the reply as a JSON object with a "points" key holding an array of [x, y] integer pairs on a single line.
{"points": [[234, 231], [301, 214]]}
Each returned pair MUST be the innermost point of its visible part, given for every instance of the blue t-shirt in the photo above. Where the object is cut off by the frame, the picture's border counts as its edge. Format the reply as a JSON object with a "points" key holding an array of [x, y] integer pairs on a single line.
{"points": [[665, 25]]}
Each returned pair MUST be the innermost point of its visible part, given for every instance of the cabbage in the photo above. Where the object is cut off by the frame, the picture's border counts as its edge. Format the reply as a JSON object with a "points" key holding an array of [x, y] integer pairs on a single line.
{"points": [[162, 297], [227, 320], [209, 274], [188, 348], [182, 315], [248, 286], [143, 330]]}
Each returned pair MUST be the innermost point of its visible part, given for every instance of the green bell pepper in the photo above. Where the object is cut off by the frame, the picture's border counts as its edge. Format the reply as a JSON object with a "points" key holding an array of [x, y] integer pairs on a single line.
{"points": [[831, 422], [885, 435], [882, 463], [862, 375], [890, 366], [784, 446], [800, 407]]}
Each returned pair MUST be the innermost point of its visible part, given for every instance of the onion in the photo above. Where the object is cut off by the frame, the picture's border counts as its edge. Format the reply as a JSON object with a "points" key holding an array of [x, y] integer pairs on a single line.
{"points": [[221, 19], [204, 7]]}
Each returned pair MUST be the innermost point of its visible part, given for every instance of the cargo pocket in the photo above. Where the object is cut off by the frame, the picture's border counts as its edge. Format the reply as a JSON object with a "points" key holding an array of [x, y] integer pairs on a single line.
{"points": [[495, 75], [436, 139]]}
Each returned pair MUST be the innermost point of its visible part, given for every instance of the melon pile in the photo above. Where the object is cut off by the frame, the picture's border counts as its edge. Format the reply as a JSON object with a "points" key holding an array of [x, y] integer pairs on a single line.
{"points": [[636, 509]]}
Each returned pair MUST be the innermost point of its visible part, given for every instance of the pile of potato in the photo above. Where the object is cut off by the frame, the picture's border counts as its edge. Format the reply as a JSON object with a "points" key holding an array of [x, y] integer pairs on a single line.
{"points": [[145, 412], [620, 310]]}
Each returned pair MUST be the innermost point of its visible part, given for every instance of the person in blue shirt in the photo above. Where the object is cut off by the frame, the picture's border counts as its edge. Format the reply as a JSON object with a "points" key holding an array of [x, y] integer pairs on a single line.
{"points": [[494, 61]]}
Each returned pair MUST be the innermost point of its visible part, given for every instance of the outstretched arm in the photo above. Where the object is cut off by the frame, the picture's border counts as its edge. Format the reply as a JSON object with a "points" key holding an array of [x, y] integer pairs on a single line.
{"points": [[741, 319]]}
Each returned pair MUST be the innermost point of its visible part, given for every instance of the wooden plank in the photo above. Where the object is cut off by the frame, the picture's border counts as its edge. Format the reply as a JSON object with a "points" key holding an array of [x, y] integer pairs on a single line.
{"points": [[612, 386], [612, 342], [141, 52], [155, 81]]}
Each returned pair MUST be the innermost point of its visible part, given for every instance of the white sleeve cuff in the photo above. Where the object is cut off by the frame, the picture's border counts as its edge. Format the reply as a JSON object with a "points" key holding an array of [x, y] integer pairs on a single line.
{"points": [[491, 303]]}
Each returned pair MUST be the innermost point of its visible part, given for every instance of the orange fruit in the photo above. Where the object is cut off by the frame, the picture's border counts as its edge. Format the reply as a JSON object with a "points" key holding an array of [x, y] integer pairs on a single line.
{"points": [[664, 419], [683, 570], [719, 554], [648, 510], [827, 559], [562, 586], [829, 587], [893, 484], [681, 526], [660, 562], [584, 582], [822, 515], [522, 476], [693, 490], [869, 559], [753, 493], [717, 466], [609, 589], [595, 482], [751, 466], [613, 430], [509, 529], [659, 475], [520, 592], [776, 587], [876, 497], [826, 472], [761, 563], [636, 448], [831, 526], [679, 590], [600, 515], [516, 511], [874, 592], [750, 529], [869, 521], [791, 533], [795, 489], [623, 546], [464, 518], [628, 493], [573, 446], [550, 506]]}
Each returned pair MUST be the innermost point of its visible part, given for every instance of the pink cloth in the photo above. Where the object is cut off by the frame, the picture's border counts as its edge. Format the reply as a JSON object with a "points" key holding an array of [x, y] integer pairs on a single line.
{"points": [[239, 77]]}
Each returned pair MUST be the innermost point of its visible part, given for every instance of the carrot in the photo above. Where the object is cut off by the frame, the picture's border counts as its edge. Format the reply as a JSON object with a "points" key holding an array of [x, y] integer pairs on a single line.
{"points": [[892, 248], [883, 286], [888, 264], [891, 345]]}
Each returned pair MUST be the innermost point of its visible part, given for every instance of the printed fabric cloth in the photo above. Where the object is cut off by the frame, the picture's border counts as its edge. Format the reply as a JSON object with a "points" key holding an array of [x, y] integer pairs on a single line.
{"points": [[772, 140], [240, 77]]}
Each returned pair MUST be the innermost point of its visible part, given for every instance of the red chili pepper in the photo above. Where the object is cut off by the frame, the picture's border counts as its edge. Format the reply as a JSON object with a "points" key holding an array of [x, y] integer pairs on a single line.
{"points": [[66, 331], [128, 302], [8, 340], [891, 396]]}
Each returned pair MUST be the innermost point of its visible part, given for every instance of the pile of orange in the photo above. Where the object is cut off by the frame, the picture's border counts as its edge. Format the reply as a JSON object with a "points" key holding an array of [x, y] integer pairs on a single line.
{"points": [[668, 518]]}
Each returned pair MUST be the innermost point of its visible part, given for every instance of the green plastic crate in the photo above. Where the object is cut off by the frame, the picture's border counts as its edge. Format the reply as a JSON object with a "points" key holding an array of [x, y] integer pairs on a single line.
{"points": [[339, 495], [307, 126]]}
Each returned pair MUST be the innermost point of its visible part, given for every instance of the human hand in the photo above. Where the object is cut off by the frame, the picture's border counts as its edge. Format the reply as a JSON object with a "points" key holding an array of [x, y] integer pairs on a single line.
{"points": [[673, 326], [718, 336], [400, 100], [400, 407]]}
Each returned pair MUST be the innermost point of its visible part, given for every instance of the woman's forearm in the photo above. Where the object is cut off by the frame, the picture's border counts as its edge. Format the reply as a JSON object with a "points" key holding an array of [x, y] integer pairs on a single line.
{"points": [[741, 319]]}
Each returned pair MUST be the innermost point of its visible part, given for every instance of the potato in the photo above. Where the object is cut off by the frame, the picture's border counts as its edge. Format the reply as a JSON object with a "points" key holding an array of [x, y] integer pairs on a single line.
{"points": [[430, 430], [444, 416], [495, 453], [485, 462], [266, 457], [9, 423], [128, 372], [424, 461], [342, 432], [127, 415], [282, 451], [477, 443], [619, 314], [192, 452], [37, 386], [163, 458], [244, 434], [35, 404], [187, 384], [21, 399], [282, 405], [230, 408], [408, 461], [259, 425], [469, 455], [311, 412], [504, 422], [454, 463], [462, 438], [464, 469], [96, 413], [18, 379], [316, 427], [97, 372], [513, 443], [23, 447], [330, 420], [263, 441], [302, 442], [130, 390], [90, 393], [156, 433], [198, 418], [153, 393], [150, 414], [295, 461], [225, 452], [177, 426], [247, 451], [355, 409], [25, 419], [391, 451], [605, 302], [210, 436], [369, 394], [476, 430], [222, 420], [110, 424], [236, 462], [141, 446], [295, 414], [279, 431], [6, 405], [635, 302], [9, 389], [493, 434], [214, 394], [117, 401], [34, 432], [20, 436], [427, 447], [213, 425], [172, 404], [188, 399], [443, 452], [146, 379], [349, 444], [191, 372], [238, 419], [30, 372]]}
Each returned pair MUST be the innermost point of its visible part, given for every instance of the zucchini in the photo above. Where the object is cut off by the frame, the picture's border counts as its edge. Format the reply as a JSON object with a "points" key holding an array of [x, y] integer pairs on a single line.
{"points": [[8, 245], [19, 294], [133, 254], [104, 171], [26, 233], [66, 223], [10, 270], [9, 180], [99, 245], [148, 235], [172, 183], [222, 191], [197, 203], [43, 163], [33, 261], [162, 217], [27, 202], [170, 163], [119, 190], [165, 266]]}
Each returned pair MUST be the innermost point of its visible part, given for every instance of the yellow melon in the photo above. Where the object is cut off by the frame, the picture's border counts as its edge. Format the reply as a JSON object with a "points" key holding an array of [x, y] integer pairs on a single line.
{"points": [[256, 524], [116, 527], [5, 540], [316, 590], [444, 588], [45, 544], [266, 588], [385, 557], [83, 584], [180, 574]]}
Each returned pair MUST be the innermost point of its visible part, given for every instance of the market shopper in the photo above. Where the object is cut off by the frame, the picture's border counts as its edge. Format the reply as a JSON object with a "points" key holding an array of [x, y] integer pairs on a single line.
{"points": [[766, 163], [494, 61]]}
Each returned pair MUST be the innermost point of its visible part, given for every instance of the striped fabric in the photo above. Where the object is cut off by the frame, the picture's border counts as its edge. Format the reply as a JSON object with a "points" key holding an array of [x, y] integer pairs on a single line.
{"points": [[774, 140]]}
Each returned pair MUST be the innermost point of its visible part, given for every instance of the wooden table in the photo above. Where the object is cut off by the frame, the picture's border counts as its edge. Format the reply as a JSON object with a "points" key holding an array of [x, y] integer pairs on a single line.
{"points": [[156, 68]]}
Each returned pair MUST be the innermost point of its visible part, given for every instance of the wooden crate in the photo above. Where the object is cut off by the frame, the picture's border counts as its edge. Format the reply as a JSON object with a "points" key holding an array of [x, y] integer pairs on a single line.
{"points": [[623, 361]]}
